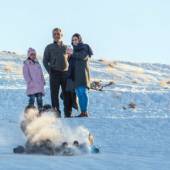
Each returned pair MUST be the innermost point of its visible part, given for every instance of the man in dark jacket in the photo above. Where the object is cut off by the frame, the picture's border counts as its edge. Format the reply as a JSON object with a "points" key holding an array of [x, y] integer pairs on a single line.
{"points": [[56, 64]]}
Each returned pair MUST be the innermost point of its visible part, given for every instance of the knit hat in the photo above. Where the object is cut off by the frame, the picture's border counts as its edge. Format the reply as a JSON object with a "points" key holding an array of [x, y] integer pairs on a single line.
{"points": [[31, 51]]}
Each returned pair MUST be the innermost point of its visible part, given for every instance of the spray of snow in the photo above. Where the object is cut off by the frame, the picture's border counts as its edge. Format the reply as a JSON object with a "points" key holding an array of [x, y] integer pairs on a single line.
{"points": [[48, 127]]}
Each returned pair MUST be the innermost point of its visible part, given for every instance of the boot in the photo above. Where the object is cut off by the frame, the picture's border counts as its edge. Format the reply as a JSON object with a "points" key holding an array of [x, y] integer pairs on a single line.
{"points": [[83, 114]]}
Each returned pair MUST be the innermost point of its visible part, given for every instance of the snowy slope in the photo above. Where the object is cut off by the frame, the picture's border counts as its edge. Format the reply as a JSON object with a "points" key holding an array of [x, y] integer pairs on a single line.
{"points": [[129, 138]]}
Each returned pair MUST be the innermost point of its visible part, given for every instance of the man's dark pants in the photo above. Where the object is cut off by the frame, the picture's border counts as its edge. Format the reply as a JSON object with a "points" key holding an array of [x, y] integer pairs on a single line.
{"points": [[58, 79]]}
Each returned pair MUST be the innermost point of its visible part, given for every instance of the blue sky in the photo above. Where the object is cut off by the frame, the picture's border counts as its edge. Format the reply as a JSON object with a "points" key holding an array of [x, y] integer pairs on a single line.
{"points": [[133, 30]]}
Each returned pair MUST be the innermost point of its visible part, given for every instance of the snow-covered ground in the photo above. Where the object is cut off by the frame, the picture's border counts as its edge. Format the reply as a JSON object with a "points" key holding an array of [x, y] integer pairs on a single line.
{"points": [[129, 138]]}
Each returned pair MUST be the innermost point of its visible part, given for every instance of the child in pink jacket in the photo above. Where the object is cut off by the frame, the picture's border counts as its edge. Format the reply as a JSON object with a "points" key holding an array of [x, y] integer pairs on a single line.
{"points": [[34, 78]]}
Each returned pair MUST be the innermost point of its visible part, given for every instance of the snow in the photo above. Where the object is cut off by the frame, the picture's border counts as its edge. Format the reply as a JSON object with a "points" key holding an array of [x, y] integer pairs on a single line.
{"points": [[128, 138]]}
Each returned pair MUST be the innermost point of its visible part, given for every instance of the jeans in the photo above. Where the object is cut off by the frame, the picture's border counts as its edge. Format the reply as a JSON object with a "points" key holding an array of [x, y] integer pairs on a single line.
{"points": [[39, 100], [82, 94]]}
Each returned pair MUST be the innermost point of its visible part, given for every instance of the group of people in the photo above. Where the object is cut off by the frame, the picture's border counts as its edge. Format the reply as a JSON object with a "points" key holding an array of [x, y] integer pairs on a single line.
{"points": [[67, 67]]}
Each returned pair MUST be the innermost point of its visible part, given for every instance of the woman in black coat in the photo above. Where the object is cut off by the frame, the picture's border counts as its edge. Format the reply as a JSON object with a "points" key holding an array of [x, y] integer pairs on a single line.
{"points": [[80, 72]]}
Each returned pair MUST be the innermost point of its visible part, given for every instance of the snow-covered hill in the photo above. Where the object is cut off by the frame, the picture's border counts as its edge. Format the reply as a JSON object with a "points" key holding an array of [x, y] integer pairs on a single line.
{"points": [[130, 118]]}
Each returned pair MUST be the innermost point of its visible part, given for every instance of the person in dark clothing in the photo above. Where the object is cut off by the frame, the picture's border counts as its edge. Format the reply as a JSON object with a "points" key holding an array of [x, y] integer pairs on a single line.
{"points": [[79, 71], [70, 90], [56, 64]]}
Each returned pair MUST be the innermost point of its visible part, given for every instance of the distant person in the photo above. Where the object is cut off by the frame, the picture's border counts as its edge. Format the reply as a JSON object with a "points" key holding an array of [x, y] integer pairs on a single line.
{"points": [[34, 78], [80, 72], [70, 89], [55, 62]]}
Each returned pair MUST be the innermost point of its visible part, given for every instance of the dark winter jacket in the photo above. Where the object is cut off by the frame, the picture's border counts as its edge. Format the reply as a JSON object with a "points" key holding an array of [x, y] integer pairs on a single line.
{"points": [[55, 57], [80, 65], [71, 68]]}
